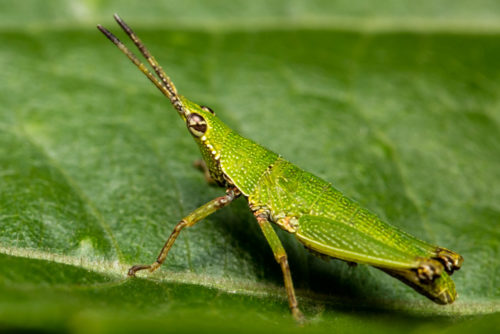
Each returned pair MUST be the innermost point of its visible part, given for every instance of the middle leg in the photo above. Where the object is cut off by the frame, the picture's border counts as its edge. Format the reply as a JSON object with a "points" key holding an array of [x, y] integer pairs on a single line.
{"points": [[281, 257]]}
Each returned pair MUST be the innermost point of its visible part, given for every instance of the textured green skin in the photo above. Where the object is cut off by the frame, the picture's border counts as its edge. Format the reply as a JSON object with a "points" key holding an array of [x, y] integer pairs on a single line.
{"points": [[323, 219]]}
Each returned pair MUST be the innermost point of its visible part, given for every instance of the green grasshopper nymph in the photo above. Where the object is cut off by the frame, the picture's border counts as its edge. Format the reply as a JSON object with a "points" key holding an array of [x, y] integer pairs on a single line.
{"points": [[319, 216]]}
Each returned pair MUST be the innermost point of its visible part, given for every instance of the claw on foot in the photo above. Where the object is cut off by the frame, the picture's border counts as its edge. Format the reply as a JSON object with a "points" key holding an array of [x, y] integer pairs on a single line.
{"points": [[136, 268], [299, 316], [139, 267]]}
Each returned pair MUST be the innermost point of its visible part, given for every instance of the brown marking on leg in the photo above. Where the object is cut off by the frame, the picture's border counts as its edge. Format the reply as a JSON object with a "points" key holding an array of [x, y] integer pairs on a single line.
{"points": [[131, 272], [290, 291], [164, 251]]}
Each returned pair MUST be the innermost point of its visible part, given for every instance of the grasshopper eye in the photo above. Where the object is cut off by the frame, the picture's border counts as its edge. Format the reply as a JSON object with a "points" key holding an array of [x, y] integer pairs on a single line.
{"points": [[207, 109], [196, 124]]}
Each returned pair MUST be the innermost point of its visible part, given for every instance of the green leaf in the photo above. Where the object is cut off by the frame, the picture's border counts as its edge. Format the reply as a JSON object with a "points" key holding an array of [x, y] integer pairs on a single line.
{"points": [[396, 103]]}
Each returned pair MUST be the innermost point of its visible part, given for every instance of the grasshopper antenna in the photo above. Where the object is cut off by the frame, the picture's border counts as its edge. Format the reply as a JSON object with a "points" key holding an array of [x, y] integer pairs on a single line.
{"points": [[165, 85]]}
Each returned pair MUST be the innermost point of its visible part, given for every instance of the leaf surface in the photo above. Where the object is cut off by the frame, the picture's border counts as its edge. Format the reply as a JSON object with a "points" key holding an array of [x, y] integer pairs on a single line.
{"points": [[397, 105]]}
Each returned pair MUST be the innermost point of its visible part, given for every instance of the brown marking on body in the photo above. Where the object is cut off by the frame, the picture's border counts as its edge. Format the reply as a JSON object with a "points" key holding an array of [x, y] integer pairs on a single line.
{"points": [[289, 224]]}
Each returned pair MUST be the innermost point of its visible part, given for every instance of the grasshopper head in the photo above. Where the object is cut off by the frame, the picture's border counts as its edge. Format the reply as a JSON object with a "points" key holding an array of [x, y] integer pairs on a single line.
{"points": [[200, 121], [197, 118], [208, 131]]}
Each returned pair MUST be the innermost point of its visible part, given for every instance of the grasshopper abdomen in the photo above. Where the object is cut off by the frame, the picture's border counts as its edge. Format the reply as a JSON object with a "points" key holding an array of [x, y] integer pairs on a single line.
{"points": [[329, 223]]}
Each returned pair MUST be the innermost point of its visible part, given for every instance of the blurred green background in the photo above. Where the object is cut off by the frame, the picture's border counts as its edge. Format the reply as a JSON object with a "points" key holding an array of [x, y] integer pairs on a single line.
{"points": [[397, 103]]}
